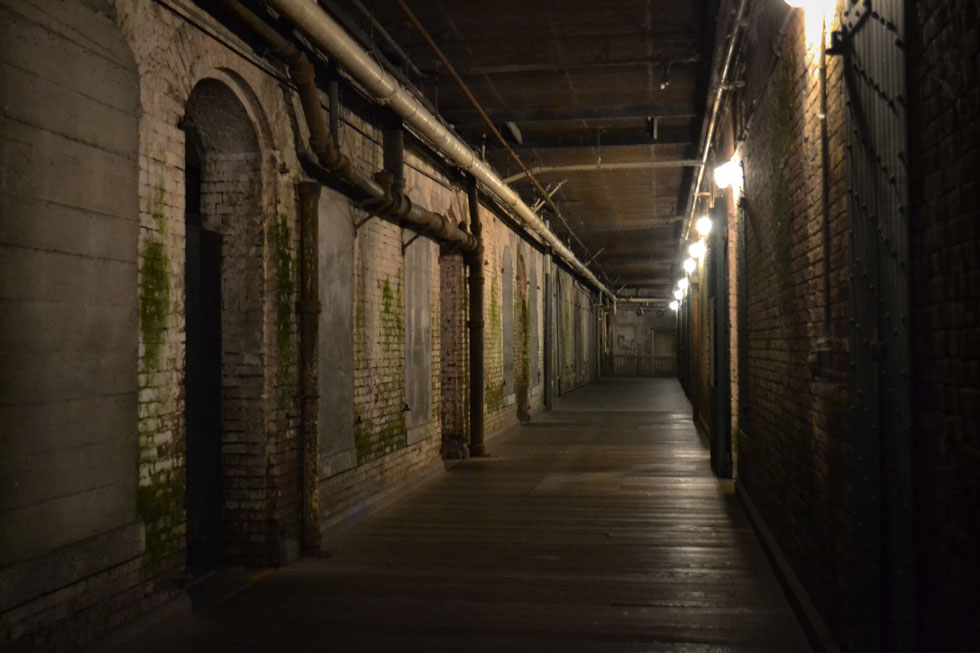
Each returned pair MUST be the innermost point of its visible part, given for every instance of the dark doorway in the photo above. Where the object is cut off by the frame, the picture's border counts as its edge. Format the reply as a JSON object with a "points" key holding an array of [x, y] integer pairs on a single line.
{"points": [[202, 382]]}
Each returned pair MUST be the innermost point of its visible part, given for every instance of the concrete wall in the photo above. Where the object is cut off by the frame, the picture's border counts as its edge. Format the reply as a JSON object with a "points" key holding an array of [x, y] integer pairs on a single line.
{"points": [[336, 340], [68, 255], [69, 323], [418, 337]]}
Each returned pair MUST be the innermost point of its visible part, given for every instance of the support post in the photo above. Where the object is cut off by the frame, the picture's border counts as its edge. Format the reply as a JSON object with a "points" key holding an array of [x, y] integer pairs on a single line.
{"points": [[549, 366], [476, 282]]}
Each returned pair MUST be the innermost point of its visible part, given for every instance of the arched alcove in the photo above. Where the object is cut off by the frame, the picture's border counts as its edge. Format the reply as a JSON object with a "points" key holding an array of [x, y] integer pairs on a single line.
{"points": [[224, 271]]}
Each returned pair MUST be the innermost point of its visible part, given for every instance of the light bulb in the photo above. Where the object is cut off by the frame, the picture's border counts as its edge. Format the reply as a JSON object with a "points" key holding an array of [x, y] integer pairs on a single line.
{"points": [[697, 250], [703, 225], [678, 294], [674, 305], [690, 265], [682, 283], [730, 173], [810, 5]]}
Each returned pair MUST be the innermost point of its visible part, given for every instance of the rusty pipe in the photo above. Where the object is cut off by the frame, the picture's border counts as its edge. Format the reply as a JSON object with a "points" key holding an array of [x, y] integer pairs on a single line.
{"points": [[394, 208], [309, 325]]}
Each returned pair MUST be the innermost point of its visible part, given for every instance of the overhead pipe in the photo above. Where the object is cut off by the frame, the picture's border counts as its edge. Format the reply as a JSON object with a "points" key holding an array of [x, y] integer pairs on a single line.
{"points": [[716, 105], [413, 19], [476, 283], [380, 192], [600, 167], [329, 35]]}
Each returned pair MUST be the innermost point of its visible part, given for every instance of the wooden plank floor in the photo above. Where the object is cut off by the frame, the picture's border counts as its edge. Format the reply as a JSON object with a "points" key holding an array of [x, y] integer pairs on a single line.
{"points": [[597, 527]]}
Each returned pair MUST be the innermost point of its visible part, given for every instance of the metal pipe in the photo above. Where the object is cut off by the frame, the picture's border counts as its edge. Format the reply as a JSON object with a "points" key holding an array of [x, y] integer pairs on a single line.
{"points": [[643, 300], [486, 119], [548, 337], [330, 36], [476, 283], [309, 325], [412, 68], [597, 167], [394, 207], [719, 89]]}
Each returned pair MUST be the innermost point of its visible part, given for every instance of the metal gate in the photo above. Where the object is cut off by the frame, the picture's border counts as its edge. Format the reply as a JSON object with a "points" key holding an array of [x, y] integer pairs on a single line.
{"points": [[872, 43]]}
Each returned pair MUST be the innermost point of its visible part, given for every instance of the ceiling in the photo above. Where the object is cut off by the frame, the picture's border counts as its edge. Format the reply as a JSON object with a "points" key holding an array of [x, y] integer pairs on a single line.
{"points": [[571, 82]]}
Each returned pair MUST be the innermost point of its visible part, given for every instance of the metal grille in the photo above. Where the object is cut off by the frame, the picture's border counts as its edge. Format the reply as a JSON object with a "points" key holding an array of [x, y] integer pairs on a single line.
{"points": [[872, 43]]}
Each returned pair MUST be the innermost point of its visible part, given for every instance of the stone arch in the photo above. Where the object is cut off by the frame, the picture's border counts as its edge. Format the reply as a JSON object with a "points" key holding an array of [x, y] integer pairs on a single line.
{"points": [[224, 372]]}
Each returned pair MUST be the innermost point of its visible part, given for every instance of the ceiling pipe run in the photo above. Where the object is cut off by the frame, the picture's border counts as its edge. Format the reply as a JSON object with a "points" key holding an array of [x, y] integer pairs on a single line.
{"points": [[601, 167], [384, 196], [716, 104], [329, 35]]}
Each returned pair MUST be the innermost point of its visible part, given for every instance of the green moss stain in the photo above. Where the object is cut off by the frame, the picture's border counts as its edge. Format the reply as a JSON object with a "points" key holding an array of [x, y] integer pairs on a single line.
{"points": [[392, 322], [160, 498], [154, 302], [494, 392], [385, 433], [154, 288], [280, 237], [523, 361], [159, 504]]}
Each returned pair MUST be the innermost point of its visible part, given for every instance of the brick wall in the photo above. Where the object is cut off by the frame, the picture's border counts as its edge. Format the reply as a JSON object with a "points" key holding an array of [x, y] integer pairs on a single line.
{"points": [[944, 114], [454, 355], [793, 452]]}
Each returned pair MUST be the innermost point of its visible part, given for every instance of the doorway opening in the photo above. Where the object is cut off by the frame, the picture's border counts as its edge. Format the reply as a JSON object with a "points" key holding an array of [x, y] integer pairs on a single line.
{"points": [[223, 365]]}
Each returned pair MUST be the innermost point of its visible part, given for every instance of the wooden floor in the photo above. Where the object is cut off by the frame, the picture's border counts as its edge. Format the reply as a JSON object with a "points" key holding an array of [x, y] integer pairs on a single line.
{"points": [[596, 527]]}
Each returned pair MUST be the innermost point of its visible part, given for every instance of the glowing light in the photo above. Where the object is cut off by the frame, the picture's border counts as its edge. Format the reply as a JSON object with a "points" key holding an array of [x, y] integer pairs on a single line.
{"points": [[697, 250], [703, 225], [674, 305], [690, 265], [730, 174], [682, 283], [678, 294], [813, 5]]}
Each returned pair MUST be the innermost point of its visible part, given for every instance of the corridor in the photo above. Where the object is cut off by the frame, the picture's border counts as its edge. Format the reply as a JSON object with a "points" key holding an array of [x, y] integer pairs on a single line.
{"points": [[597, 526], [497, 324]]}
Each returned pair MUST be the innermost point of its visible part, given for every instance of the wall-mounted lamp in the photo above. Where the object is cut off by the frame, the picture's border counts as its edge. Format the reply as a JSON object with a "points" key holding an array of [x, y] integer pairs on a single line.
{"points": [[703, 225], [730, 174], [678, 294], [811, 5], [690, 265], [682, 283], [697, 250], [674, 305]]}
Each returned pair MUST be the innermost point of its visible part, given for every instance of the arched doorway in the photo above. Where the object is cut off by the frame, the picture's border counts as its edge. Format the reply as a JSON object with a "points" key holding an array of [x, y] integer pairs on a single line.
{"points": [[223, 311]]}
